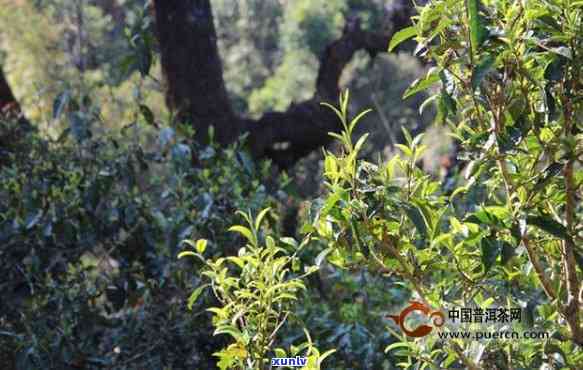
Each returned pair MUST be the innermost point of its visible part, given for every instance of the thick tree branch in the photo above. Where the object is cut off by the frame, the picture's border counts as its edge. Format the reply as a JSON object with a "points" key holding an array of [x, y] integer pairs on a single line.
{"points": [[571, 307], [340, 52], [196, 90], [304, 127]]}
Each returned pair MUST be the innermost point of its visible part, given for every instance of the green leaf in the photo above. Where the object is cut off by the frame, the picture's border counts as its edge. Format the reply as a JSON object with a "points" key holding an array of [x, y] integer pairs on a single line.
{"points": [[458, 190], [507, 253], [230, 330], [478, 32], [186, 253], [549, 225], [407, 136], [243, 231], [60, 103], [66, 132], [128, 63], [417, 218], [548, 173], [289, 241], [322, 256], [421, 84], [237, 260], [148, 115], [390, 167], [201, 245], [436, 229], [324, 355], [336, 136], [563, 51], [344, 98], [482, 70], [397, 345], [491, 248], [144, 60], [405, 149], [330, 165], [401, 36], [488, 216], [331, 202], [360, 142], [338, 113], [194, 296], [446, 103], [357, 119], [248, 164], [426, 103], [280, 352], [260, 217], [499, 212], [33, 219], [225, 362]]}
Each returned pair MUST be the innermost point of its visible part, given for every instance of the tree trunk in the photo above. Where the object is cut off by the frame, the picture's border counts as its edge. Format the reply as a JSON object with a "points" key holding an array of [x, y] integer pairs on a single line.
{"points": [[195, 89], [192, 67], [8, 104], [13, 125]]}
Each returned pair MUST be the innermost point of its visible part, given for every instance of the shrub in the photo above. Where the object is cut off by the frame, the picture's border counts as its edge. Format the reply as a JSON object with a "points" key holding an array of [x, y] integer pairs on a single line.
{"points": [[256, 290], [89, 233], [507, 236]]}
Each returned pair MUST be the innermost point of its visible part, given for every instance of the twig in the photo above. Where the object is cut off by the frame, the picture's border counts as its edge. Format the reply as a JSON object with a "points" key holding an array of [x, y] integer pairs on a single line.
{"points": [[149, 349], [571, 309], [469, 363], [272, 336], [406, 273], [533, 257], [384, 120]]}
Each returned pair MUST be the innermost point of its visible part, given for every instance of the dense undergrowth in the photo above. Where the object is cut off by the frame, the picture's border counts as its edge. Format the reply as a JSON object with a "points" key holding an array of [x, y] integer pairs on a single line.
{"points": [[89, 237], [91, 225]]}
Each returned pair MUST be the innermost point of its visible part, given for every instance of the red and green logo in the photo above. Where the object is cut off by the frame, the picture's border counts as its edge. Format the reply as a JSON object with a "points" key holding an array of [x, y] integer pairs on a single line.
{"points": [[437, 319]]}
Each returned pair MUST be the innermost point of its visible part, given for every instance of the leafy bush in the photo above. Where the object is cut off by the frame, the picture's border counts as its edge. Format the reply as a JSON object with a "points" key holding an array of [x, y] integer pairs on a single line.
{"points": [[89, 235], [511, 93], [506, 235], [256, 289]]}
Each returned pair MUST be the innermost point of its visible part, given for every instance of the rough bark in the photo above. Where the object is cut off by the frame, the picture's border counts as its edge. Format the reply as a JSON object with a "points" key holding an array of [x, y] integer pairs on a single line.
{"points": [[192, 67], [196, 91]]}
